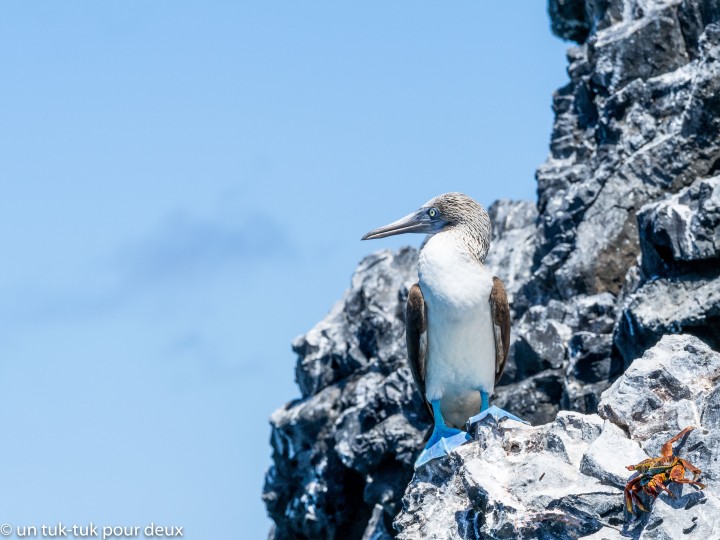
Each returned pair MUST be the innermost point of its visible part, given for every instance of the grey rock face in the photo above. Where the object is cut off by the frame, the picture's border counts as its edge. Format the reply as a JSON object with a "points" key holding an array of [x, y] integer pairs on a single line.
{"points": [[681, 228], [513, 483], [565, 347], [343, 453], [669, 306], [564, 479], [678, 379], [345, 450], [681, 264], [627, 198], [514, 236], [637, 122], [568, 19], [368, 324], [621, 250]]}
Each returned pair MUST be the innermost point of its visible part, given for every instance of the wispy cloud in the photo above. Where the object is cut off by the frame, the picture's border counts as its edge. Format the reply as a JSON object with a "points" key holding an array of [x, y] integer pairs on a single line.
{"points": [[181, 247], [184, 245]]}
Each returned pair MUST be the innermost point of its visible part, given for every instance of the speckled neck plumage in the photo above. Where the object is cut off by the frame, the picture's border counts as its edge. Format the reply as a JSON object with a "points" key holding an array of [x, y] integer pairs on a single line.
{"points": [[469, 220]]}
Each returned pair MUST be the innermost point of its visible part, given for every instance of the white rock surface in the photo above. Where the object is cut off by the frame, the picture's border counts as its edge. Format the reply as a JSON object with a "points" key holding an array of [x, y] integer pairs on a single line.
{"points": [[565, 479]]}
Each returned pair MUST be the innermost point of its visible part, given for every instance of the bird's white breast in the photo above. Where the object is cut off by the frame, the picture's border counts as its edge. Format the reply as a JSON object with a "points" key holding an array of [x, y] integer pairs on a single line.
{"points": [[461, 344]]}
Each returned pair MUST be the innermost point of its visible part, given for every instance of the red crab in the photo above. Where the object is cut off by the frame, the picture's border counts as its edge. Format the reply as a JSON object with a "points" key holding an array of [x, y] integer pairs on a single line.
{"points": [[654, 473]]}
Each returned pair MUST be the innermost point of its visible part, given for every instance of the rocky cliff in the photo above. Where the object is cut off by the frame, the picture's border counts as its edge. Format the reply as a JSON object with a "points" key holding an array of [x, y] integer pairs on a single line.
{"points": [[564, 479], [621, 248]]}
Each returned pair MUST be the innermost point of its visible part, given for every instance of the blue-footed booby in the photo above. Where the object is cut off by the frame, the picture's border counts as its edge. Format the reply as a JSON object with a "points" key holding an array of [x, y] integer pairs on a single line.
{"points": [[457, 319]]}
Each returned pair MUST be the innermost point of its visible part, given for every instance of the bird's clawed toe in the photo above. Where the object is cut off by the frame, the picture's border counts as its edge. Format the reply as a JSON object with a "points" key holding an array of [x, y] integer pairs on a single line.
{"points": [[443, 441], [495, 413]]}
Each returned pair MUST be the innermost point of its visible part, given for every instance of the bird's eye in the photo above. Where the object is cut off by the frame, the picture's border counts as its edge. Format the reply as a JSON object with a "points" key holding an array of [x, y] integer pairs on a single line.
{"points": [[432, 212]]}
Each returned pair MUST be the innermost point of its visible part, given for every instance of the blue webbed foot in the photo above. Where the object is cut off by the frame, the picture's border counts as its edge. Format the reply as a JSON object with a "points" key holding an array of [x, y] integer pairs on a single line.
{"points": [[494, 412], [443, 441]]}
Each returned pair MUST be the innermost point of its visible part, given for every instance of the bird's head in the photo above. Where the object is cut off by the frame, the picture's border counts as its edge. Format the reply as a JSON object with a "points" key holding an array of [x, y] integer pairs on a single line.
{"points": [[449, 211]]}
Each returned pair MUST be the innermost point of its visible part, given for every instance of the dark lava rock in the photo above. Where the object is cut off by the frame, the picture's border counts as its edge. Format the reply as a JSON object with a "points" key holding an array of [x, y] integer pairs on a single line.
{"points": [[343, 453], [620, 251], [682, 228], [637, 123], [569, 19], [347, 447], [669, 306]]}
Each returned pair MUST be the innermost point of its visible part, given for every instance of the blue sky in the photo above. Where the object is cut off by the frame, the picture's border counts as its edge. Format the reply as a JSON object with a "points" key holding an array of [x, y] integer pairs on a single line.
{"points": [[184, 186]]}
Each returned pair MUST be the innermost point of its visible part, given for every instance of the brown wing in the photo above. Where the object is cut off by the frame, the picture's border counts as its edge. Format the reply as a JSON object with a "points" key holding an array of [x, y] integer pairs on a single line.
{"points": [[416, 338], [500, 312]]}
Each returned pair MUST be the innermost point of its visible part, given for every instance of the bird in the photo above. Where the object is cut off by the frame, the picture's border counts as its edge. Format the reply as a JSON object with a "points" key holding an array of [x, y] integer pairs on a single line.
{"points": [[457, 319]]}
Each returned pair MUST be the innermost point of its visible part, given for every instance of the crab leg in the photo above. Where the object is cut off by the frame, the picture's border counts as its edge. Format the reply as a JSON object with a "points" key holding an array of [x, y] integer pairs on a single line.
{"points": [[654, 473], [657, 482], [694, 470], [628, 499], [677, 474], [666, 450], [631, 496]]}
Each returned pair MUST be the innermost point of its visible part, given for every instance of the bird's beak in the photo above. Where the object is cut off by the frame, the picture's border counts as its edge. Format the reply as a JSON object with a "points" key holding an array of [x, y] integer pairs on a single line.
{"points": [[417, 222]]}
